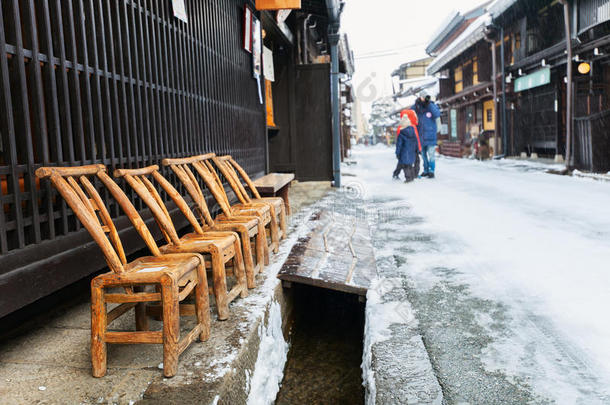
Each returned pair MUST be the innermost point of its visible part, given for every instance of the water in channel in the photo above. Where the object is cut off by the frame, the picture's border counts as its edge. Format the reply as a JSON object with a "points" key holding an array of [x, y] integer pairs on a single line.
{"points": [[323, 365]]}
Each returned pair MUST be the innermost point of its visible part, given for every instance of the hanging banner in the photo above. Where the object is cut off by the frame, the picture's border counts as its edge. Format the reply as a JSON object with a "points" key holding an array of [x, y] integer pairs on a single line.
{"points": [[247, 29], [453, 115], [257, 48], [179, 10], [282, 16], [269, 104], [268, 64]]}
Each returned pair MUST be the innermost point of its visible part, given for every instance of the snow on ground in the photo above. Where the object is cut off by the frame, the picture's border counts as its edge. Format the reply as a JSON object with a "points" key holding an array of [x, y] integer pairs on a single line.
{"points": [[272, 354], [532, 246]]}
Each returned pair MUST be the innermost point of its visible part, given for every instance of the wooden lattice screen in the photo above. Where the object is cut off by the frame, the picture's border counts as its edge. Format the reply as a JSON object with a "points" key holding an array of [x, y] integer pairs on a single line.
{"points": [[117, 82]]}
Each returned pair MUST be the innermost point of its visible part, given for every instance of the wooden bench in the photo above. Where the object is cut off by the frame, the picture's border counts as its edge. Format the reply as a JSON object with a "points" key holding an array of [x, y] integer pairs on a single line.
{"points": [[275, 185]]}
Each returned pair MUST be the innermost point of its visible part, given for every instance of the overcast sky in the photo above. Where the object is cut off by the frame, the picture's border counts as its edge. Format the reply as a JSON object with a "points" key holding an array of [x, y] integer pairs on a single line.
{"points": [[386, 33]]}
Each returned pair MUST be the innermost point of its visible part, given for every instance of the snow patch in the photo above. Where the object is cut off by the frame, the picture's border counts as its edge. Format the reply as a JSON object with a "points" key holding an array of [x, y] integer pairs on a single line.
{"points": [[379, 317], [272, 354]]}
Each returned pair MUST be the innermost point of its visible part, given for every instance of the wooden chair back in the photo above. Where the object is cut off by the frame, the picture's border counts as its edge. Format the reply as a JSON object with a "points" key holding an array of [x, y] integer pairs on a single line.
{"points": [[139, 181], [182, 169], [244, 176], [232, 178], [87, 205]]}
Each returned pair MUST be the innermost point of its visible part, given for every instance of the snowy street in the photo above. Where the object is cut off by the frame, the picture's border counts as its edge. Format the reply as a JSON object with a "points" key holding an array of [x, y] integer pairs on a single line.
{"points": [[507, 270]]}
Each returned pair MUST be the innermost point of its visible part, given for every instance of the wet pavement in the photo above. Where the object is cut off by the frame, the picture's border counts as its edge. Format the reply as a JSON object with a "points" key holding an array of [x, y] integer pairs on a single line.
{"points": [[506, 313], [449, 321]]}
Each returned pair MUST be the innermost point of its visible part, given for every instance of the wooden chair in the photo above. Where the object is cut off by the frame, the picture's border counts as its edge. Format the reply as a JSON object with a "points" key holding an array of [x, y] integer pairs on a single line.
{"points": [[175, 276], [222, 246], [250, 229], [262, 210], [277, 204]]}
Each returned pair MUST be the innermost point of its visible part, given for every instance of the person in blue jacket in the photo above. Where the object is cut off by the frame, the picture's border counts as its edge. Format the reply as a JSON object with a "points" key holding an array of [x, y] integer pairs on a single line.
{"points": [[427, 114], [406, 150]]}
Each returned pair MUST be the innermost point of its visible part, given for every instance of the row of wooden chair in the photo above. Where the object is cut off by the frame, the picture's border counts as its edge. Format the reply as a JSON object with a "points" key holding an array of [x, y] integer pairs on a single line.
{"points": [[241, 238]]}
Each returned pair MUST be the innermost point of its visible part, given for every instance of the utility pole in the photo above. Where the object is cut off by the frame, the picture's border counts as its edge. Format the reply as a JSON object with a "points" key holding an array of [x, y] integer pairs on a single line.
{"points": [[333, 38], [494, 75], [503, 64], [566, 18]]}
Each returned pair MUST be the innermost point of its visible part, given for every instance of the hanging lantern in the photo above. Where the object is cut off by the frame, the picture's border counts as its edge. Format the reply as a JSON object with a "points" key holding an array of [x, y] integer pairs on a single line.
{"points": [[584, 68], [277, 4]]}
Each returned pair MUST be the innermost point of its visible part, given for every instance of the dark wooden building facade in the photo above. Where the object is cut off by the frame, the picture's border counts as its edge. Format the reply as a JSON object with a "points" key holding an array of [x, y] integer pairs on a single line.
{"points": [[118, 82], [536, 44]]}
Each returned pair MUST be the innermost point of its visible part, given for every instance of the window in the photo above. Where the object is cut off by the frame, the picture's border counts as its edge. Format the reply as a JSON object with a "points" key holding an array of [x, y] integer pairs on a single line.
{"points": [[457, 77], [475, 70]]}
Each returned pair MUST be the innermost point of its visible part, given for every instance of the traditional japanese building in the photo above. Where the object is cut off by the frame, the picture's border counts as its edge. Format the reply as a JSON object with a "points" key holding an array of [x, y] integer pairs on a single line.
{"points": [[463, 64], [536, 70], [127, 84]]}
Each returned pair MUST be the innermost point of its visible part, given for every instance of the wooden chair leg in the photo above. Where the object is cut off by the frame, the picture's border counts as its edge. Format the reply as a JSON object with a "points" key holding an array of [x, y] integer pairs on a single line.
{"points": [[239, 268], [275, 233], [171, 326], [98, 331], [248, 259], [220, 286], [140, 313], [262, 241], [202, 303]]}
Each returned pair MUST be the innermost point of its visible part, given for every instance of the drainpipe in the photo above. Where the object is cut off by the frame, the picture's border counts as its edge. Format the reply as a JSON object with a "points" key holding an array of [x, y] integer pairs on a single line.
{"points": [[504, 140], [333, 39], [305, 50], [566, 17], [494, 75], [334, 79]]}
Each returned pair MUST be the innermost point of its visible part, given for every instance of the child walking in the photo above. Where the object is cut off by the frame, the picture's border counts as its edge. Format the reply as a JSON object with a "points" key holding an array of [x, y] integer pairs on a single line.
{"points": [[406, 150]]}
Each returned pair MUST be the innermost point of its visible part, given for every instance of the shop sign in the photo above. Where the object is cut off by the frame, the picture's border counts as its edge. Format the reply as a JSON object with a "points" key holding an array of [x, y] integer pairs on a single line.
{"points": [[268, 64], [536, 79], [247, 29], [453, 115], [277, 4]]}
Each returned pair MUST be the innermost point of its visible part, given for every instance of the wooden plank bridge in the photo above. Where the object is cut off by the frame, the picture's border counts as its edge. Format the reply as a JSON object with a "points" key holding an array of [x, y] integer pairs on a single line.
{"points": [[337, 254]]}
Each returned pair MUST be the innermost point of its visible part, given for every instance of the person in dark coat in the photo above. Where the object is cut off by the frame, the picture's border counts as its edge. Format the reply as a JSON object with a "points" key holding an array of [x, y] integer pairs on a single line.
{"points": [[406, 150], [413, 117], [427, 113]]}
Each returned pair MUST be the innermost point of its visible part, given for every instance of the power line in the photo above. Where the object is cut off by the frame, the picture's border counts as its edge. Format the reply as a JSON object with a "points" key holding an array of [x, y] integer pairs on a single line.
{"points": [[387, 51]]}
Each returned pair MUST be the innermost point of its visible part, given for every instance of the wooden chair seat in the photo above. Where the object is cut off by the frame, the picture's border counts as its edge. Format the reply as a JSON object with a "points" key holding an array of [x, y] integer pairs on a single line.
{"points": [[173, 277], [194, 242], [220, 246]]}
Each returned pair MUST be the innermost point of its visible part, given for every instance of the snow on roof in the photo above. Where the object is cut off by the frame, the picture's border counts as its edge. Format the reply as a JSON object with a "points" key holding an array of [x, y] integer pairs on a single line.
{"points": [[417, 80], [473, 34], [499, 7]]}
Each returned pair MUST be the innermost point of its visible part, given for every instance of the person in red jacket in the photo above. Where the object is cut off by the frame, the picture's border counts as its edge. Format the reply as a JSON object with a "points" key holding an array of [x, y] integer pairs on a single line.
{"points": [[413, 118]]}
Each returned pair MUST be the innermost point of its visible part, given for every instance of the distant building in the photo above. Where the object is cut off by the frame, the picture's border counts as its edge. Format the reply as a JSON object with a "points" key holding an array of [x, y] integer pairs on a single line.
{"points": [[463, 64]]}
